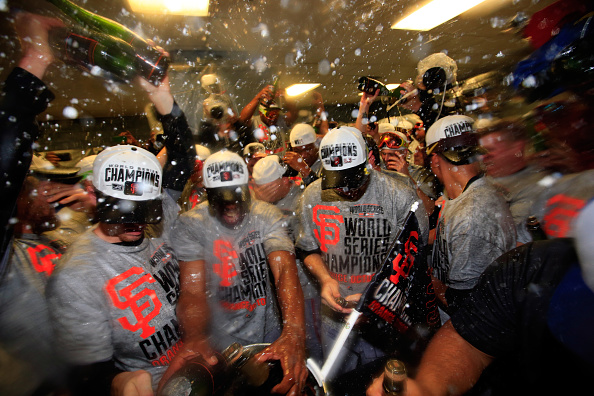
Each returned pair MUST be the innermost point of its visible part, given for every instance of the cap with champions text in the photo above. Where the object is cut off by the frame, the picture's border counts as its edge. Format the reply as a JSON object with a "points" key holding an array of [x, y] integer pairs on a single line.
{"points": [[268, 169], [385, 127], [454, 137], [127, 181], [226, 176], [343, 153], [302, 134]]}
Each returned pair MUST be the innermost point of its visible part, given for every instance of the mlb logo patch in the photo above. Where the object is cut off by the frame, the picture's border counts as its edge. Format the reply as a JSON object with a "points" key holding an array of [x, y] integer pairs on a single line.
{"points": [[336, 161], [226, 176]]}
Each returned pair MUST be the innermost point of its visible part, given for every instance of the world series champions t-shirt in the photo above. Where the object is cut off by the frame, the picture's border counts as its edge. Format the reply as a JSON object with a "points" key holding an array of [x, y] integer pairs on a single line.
{"points": [[240, 295], [112, 301], [354, 237]]}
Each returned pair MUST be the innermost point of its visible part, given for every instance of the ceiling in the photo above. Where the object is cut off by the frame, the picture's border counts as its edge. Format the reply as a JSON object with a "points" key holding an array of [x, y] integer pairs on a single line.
{"points": [[331, 42]]}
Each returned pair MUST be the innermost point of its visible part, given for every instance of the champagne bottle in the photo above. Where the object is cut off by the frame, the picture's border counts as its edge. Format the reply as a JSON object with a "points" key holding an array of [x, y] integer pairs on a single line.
{"points": [[394, 383], [275, 85], [370, 86], [149, 62], [198, 378], [535, 230], [99, 54]]}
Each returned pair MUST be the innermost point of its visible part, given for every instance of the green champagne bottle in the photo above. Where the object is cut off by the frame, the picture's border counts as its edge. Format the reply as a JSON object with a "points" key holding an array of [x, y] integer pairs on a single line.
{"points": [[149, 62], [99, 54], [370, 86]]}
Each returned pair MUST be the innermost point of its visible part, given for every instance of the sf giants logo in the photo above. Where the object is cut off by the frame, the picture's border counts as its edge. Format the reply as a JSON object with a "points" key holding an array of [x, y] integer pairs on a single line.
{"points": [[402, 268], [43, 262], [328, 233], [126, 298], [562, 210], [225, 269]]}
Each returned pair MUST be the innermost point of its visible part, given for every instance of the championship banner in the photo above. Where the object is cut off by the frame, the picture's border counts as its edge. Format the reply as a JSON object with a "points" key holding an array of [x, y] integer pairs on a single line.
{"points": [[400, 292], [400, 295]]}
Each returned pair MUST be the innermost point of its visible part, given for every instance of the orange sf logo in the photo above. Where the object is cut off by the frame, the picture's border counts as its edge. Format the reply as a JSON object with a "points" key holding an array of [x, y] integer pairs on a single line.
{"points": [[225, 269], [126, 298], [402, 269], [43, 263], [328, 233]]}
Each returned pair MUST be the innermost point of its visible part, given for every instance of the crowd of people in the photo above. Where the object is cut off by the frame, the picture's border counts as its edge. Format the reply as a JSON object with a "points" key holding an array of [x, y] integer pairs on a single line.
{"points": [[259, 229]]}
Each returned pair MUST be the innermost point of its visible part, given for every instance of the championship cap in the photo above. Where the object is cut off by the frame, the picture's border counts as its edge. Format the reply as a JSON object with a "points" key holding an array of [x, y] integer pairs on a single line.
{"points": [[224, 169], [202, 153], [254, 148], [268, 169], [128, 181], [454, 137], [225, 176], [58, 174], [86, 167], [343, 153], [385, 127], [403, 125], [302, 134]]}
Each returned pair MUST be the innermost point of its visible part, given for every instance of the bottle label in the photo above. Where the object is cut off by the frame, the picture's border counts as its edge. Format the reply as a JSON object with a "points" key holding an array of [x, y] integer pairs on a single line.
{"points": [[80, 48]]}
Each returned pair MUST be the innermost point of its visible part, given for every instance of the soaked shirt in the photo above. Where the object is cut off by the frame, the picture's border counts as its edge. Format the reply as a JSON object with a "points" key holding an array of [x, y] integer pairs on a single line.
{"points": [[354, 237], [520, 190], [557, 207], [238, 277], [111, 301], [473, 230]]}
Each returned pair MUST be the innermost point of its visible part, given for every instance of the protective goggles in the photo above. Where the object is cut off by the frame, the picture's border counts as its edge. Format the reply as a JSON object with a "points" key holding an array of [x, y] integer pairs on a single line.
{"points": [[392, 141]]}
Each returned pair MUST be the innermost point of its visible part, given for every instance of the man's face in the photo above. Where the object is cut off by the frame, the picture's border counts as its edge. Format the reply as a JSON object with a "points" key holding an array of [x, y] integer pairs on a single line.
{"points": [[229, 205], [309, 152], [270, 116], [127, 232], [33, 206], [353, 194], [394, 159], [230, 214], [502, 155]]}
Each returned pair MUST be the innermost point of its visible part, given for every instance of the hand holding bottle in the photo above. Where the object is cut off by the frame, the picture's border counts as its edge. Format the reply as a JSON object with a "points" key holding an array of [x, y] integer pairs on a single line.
{"points": [[33, 32], [132, 383], [412, 102], [289, 349], [190, 350]]}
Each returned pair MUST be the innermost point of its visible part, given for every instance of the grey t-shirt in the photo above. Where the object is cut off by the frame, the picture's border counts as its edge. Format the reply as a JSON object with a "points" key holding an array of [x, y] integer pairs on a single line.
{"points": [[520, 190], [558, 206], [238, 276], [354, 237], [111, 301], [473, 230]]}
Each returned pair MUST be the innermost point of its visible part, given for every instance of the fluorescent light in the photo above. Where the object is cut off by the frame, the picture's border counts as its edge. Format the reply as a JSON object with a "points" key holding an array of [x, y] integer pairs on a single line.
{"points": [[435, 13], [172, 7], [298, 89]]}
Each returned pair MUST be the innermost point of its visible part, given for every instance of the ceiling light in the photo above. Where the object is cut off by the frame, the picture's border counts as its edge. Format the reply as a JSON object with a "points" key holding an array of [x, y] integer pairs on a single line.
{"points": [[172, 7], [298, 89], [435, 13]]}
